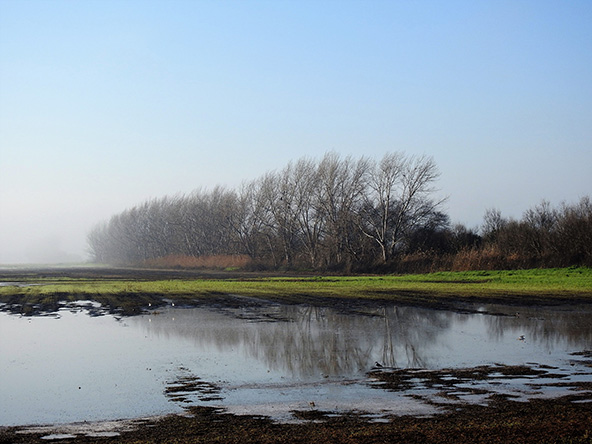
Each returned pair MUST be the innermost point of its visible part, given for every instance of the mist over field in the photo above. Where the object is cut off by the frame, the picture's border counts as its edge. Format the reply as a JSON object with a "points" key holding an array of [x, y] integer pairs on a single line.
{"points": [[106, 105]]}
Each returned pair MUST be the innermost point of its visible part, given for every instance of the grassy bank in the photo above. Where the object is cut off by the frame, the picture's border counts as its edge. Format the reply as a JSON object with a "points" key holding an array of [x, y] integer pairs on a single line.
{"points": [[536, 286]]}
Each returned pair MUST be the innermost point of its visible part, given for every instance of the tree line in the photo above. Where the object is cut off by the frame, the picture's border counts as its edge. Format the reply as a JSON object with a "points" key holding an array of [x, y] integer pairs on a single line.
{"points": [[338, 213]]}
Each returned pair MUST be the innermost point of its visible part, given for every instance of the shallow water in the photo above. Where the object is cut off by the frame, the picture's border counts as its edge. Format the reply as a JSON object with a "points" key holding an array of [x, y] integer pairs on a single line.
{"points": [[264, 358]]}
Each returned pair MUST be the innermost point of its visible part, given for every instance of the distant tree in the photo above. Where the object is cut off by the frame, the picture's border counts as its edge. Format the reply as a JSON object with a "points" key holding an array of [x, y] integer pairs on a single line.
{"points": [[543, 237], [282, 201], [377, 214], [574, 233], [248, 222], [433, 235], [540, 223], [307, 209], [493, 223], [464, 238], [399, 200], [98, 248], [341, 187]]}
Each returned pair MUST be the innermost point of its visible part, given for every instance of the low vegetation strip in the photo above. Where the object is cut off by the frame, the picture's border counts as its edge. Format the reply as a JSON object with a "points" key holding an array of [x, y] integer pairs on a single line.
{"points": [[536, 286]]}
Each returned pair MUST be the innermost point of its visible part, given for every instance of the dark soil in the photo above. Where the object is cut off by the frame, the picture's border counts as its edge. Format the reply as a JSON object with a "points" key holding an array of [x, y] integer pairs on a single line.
{"points": [[503, 421], [115, 273], [406, 378]]}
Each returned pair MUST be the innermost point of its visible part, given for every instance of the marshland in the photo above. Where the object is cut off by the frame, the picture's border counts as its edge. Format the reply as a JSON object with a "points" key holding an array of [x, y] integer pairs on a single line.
{"points": [[123, 354]]}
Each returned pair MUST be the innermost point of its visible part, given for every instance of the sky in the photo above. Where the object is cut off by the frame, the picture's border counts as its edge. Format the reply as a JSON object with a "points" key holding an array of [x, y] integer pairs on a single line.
{"points": [[105, 104]]}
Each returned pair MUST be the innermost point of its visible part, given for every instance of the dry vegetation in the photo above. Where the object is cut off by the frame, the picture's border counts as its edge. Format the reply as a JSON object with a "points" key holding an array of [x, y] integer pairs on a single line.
{"points": [[220, 262]]}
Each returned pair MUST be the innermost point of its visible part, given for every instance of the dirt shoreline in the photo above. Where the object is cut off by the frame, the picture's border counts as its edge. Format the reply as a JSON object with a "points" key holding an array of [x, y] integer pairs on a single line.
{"points": [[566, 419]]}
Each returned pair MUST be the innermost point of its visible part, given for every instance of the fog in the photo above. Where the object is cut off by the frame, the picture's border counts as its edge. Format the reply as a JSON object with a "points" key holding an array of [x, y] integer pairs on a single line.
{"points": [[43, 236]]}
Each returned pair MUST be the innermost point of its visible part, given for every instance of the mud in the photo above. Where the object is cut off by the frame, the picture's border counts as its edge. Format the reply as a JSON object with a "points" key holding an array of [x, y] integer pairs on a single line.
{"points": [[537, 421]]}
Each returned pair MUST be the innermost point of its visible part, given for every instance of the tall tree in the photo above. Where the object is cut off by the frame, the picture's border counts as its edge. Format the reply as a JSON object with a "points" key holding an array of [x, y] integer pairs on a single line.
{"points": [[342, 183], [400, 198], [308, 213]]}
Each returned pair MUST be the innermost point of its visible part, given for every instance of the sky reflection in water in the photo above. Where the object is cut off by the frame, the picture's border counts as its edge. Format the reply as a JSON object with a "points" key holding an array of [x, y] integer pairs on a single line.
{"points": [[76, 367]]}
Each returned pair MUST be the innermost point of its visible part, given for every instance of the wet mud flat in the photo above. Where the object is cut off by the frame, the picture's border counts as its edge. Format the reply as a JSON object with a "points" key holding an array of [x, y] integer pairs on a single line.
{"points": [[467, 406], [499, 419], [566, 419]]}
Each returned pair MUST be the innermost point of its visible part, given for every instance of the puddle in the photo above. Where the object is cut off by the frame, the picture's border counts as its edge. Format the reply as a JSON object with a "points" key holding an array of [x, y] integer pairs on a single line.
{"points": [[58, 436], [272, 359], [17, 284]]}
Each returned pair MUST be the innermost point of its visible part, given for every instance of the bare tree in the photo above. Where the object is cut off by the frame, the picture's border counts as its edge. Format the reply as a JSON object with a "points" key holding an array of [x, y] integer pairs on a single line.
{"points": [[380, 201], [493, 223], [308, 212], [97, 243], [342, 183], [247, 221], [399, 199], [574, 233], [541, 222], [307, 209]]}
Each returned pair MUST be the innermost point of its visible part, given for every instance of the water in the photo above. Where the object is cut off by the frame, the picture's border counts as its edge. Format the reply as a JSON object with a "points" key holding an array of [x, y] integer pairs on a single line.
{"points": [[264, 358]]}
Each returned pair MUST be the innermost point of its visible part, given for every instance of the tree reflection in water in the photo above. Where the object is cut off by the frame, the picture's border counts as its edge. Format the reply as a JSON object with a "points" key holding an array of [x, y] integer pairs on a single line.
{"points": [[76, 367], [309, 341], [549, 327]]}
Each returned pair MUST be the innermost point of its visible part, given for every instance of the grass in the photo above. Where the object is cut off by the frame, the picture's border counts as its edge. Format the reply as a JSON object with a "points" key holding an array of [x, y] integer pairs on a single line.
{"points": [[517, 286]]}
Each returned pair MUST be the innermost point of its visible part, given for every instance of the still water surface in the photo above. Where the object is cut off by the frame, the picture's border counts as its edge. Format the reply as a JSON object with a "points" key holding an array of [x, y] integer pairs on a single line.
{"points": [[263, 358]]}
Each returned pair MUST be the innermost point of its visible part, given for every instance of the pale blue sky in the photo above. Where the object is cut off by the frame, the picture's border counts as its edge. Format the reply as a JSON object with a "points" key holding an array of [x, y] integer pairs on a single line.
{"points": [[104, 104]]}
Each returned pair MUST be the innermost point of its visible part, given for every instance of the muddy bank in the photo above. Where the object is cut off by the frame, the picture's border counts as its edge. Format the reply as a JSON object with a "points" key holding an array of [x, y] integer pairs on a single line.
{"points": [[537, 421], [24, 299]]}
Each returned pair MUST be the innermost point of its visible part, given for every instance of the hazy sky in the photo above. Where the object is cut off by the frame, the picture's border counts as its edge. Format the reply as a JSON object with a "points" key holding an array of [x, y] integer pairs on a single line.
{"points": [[104, 104]]}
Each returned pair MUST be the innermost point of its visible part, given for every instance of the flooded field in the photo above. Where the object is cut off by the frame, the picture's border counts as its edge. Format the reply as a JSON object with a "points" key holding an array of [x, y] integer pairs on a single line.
{"points": [[255, 357]]}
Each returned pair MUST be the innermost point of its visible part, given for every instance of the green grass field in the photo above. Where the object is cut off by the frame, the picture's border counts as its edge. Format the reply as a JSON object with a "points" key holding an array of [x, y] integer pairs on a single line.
{"points": [[528, 286]]}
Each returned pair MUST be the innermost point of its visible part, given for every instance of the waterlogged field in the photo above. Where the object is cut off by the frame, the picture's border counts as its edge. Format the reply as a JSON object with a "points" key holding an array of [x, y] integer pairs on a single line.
{"points": [[255, 357], [537, 286], [356, 353]]}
